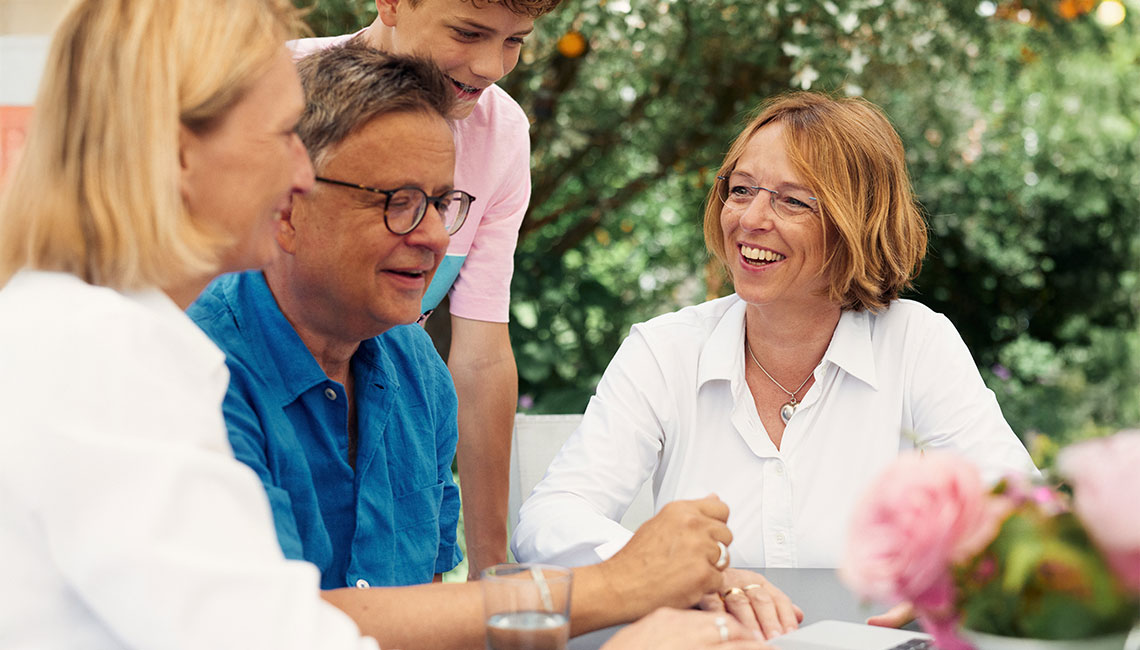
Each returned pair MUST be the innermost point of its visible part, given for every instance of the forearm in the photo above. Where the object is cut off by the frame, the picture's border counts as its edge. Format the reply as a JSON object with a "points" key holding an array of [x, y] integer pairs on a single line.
{"points": [[600, 598], [450, 616], [420, 617], [486, 381]]}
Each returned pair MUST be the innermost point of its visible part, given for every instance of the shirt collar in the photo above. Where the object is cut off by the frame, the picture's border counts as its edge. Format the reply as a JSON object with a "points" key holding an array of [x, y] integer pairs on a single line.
{"points": [[723, 355], [850, 347], [257, 313]]}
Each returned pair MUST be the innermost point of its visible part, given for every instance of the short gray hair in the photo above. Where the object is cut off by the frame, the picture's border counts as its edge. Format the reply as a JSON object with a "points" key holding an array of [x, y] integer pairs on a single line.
{"points": [[347, 86]]}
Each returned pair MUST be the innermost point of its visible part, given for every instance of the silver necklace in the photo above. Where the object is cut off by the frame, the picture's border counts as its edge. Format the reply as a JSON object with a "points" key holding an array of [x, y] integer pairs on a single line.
{"points": [[789, 407]]}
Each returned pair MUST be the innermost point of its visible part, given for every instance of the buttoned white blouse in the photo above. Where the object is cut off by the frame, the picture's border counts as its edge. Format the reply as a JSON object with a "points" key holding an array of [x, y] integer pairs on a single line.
{"points": [[673, 406], [125, 521]]}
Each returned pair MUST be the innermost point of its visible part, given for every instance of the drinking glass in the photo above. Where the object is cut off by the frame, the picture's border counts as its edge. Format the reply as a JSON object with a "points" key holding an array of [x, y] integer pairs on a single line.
{"points": [[527, 606]]}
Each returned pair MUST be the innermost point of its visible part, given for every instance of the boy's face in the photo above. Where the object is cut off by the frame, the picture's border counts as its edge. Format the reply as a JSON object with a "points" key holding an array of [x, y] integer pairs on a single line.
{"points": [[475, 46]]}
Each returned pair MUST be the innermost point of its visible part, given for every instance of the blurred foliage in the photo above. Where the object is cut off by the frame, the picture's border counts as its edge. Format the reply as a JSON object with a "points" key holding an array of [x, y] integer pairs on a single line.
{"points": [[1042, 577], [335, 17], [1023, 137]]}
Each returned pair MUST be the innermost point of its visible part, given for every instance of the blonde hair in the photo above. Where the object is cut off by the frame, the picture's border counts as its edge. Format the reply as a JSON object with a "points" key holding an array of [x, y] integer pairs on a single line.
{"points": [[97, 190], [852, 159]]}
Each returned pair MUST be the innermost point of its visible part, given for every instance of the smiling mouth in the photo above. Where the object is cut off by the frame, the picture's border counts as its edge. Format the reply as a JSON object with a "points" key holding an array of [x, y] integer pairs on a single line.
{"points": [[464, 89], [760, 256], [408, 274]]}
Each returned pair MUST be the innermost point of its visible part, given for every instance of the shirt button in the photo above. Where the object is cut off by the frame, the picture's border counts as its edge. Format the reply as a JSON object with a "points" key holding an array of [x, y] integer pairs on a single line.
{"points": [[779, 538], [362, 584], [331, 394], [779, 470]]}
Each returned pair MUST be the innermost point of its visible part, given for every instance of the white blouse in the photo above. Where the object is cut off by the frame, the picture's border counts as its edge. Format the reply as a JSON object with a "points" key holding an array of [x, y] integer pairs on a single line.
{"points": [[125, 521], [673, 406]]}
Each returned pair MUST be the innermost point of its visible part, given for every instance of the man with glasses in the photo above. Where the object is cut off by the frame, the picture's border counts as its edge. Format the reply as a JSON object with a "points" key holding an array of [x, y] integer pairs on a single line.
{"points": [[346, 412], [475, 43], [337, 400]]}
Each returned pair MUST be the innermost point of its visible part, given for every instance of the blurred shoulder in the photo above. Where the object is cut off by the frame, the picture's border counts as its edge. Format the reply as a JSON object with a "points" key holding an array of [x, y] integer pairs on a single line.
{"points": [[52, 320], [54, 306]]}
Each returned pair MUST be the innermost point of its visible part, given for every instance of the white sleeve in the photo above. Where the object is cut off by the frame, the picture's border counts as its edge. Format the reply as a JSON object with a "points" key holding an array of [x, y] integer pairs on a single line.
{"points": [[954, 409], [572, 516], [120, 454]]}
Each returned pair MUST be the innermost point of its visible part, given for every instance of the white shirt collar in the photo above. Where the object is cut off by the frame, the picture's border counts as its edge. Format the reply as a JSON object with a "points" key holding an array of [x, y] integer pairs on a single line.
{"points": [[850, 347], [723, 355]]}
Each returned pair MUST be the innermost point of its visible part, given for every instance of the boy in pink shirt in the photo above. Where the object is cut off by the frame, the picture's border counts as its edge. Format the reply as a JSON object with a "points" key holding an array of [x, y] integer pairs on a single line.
{"points": [[475, 43]]}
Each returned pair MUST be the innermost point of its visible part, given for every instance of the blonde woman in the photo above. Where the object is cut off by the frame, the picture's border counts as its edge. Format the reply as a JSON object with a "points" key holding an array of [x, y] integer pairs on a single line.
{"points": [[161, 151]]}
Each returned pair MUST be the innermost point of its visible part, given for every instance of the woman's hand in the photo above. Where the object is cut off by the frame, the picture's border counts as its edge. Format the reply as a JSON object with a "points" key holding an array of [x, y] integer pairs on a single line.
{"points": [[755, 602], [897, 616], [675, 629]]}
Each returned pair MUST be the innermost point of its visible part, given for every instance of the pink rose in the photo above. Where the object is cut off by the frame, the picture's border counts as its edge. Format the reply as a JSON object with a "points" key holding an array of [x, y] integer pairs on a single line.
{"points": [[923, 513], [1105, 475]]}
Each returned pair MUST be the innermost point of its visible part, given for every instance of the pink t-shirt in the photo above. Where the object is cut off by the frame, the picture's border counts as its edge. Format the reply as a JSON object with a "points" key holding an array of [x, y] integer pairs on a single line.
{"points": [[492, 154]]}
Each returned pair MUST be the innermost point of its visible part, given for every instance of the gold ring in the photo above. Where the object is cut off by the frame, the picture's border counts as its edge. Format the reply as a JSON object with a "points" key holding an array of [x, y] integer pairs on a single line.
{"points": [[753, 586], [732, 592]]}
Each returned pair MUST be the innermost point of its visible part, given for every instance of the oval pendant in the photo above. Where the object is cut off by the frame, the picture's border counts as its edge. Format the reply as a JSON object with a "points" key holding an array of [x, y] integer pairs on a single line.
{"points": [[787, 411]]}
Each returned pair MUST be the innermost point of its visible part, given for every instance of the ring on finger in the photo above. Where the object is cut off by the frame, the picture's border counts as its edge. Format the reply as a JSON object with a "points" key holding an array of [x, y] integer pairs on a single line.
{"points": [[722, 559], [732, 592], [722, 627]]}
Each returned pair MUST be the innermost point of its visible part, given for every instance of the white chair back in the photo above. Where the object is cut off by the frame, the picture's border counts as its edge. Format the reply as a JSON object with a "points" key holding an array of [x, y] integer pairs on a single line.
{"points": [[537, 439]]}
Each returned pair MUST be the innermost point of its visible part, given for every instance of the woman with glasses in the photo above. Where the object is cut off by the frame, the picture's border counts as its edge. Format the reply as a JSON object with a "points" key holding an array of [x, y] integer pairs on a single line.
{"points": [[789, 396]]}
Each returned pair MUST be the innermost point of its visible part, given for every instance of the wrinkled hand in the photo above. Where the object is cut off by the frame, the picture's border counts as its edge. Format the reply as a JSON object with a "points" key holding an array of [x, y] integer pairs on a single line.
{"points": [[671, 559], [897, 616], [755, 602], [674, 629]]}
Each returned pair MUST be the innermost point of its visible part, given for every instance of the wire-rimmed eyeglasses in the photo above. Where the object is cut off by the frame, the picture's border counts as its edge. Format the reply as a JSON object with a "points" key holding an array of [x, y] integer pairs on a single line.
{"points": [[790, 204], [405, 207]]}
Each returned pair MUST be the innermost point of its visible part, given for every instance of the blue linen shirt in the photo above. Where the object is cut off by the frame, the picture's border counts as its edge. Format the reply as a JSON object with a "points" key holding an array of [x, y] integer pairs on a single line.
{"points": [[391, 520]]}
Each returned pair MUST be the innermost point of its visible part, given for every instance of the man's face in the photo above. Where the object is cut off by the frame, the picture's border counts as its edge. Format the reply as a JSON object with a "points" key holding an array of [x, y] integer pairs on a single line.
{"points": [[347, 264], [475, 46]]}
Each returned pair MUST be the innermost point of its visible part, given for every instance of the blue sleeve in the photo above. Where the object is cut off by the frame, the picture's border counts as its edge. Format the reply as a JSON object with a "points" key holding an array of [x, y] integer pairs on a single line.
{"points": [[243, 423], [247, 436], [447, 436]]}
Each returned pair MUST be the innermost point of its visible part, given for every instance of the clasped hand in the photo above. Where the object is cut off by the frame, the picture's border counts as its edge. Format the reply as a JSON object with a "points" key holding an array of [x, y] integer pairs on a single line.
{"points": [[755, 602], [677, 556]]}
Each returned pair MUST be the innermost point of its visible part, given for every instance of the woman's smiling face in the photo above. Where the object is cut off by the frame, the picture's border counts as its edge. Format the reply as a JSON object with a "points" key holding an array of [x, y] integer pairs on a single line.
{"points": [[774, 260]]}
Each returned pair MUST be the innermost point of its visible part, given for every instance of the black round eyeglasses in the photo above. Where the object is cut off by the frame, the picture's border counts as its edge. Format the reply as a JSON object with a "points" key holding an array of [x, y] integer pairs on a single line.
{"points": [[405, 207]]}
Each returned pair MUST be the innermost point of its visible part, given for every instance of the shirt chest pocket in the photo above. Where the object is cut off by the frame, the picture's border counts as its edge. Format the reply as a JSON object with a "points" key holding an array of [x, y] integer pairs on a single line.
{"points": [[417, 508], [417, 531]]}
